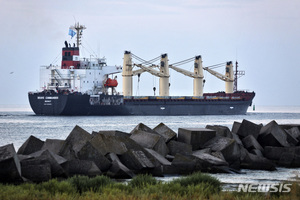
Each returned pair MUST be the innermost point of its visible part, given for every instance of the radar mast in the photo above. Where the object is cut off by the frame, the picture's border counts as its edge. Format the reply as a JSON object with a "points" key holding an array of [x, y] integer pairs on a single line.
{"points": [[79, 29]]}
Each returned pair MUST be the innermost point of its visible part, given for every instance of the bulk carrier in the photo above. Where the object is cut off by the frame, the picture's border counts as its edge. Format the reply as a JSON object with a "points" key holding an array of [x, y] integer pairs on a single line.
{"points": [[82, 86]]}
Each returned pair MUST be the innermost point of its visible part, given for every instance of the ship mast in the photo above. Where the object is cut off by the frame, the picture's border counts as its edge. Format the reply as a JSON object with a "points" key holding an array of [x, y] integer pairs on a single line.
{"points": [[79, 28]]}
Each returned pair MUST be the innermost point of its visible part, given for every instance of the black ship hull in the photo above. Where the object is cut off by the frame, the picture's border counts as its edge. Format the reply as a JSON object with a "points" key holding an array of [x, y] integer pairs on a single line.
{"points": [[45, 103]]}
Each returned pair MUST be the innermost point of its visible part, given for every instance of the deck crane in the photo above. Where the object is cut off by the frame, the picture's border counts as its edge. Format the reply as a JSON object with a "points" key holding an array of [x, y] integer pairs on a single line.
{"points": [[128, 73], [197, 75], [228, 77], [163, 74]]}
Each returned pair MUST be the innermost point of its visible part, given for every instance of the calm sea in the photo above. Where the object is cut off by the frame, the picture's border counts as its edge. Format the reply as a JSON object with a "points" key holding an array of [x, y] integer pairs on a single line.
{"points": [[17, 123]]}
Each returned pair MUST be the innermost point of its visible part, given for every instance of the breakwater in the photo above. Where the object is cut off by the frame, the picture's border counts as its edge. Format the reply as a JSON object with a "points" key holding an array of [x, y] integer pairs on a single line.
{"points": [[158, 151]]}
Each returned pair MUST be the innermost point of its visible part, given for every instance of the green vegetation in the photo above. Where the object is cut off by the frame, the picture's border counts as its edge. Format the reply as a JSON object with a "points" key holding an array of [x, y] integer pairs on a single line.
{"points": [[194, 186]]}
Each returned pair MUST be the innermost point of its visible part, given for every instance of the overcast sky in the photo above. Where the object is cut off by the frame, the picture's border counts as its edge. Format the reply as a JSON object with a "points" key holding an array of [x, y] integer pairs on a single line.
{"points": [[263, 35]]}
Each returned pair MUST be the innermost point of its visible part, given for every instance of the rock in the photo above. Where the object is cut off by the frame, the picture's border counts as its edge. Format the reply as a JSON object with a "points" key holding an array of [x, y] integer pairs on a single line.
{"points": [[112, 133], [74, 142], [164, 131], [235, 127], [53, 145], [150, 141], [179, 147], [10, 168], [142, 127], [89, 152], [31, 145], [252, 161], [210, 159], [228, 147], [220, 130], [272, 135], [196, 137], [251, 143], [248, 128], [117, 169], [136, 160], [81, 167]]}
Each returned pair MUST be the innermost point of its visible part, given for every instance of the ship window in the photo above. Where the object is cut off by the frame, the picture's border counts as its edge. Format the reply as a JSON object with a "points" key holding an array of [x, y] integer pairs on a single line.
{"points": [[87, 81], [83, 81]]}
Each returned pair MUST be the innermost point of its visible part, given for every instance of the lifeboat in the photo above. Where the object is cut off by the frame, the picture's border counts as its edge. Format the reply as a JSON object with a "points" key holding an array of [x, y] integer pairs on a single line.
{"points": [[111, 83]]}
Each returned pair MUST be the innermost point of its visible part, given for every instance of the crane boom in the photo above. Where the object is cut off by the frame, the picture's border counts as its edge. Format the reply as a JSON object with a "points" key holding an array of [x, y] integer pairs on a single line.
{"points": [[185, 72], [151, 71], [218, 75], [139, 71]]}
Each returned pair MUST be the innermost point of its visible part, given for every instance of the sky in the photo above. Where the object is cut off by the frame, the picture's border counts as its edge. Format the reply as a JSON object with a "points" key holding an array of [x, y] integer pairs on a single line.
{"points": [[262, 35]]}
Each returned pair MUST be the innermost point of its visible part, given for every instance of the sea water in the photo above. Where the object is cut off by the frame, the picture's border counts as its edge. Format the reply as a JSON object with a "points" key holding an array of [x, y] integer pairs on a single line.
{"points": [[17, 123]]}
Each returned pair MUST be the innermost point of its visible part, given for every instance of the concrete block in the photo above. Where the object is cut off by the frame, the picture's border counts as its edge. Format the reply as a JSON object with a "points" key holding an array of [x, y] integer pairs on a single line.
{"points": [[10, 168], [112, 133], [89, 152], [272, 135], [164, 131], [57, 158], [291, 137], [196, 137], [227, 146], [53, 145], [179, 147], [40, 158], [162, 160], [220, 130], [252, 161], [37, 172], [210, 159], [81, 167], [286, 159], [74, 142], [150, 141], [251, 143], [108, 144], [136, 160], [235, 127], [294, 131], [142, 127], [237, 139], [256, 152], [206, 150], [31, 145], [118, 169], [248, 128], [184, 164]]}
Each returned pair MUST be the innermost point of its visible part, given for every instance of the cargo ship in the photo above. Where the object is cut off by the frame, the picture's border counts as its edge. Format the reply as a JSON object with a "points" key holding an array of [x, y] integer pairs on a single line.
{"points": [[87, 86]]}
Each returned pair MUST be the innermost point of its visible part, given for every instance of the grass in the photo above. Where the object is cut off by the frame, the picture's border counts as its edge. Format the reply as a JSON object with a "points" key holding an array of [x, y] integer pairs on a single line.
{"points": [[194, 186]]}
